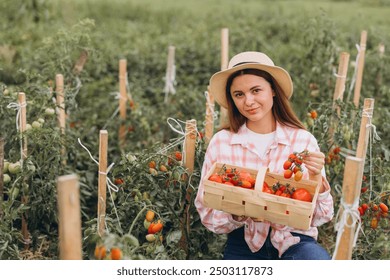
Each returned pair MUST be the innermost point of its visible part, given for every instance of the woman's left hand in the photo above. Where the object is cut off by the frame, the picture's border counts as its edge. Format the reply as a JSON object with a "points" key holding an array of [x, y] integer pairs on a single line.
{"points": [[314, 163]]}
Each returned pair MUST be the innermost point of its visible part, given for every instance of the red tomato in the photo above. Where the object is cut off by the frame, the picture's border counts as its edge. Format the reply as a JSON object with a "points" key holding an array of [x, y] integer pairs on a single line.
{"points": [[292, 157], [288, 173], [383, 207], [244, 175], [155, 227], [361, 211], [374, 223], [118, 181], [251, 180], [245, 184], [216, 178], [286, 194], [297, 168], [235, 180], [229, 183], [287, 164], [225, 179], [178, 156], [116, 254], [302, 194], [267, 189], [231, 172], [298, 160]]}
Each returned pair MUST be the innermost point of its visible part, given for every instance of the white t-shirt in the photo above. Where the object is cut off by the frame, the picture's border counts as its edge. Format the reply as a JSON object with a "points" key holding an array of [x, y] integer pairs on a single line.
{"points": [[261, 141]]}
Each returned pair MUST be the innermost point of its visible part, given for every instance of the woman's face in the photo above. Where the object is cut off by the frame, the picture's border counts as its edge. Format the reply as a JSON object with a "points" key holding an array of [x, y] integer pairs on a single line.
{"points": [[253, 97]]}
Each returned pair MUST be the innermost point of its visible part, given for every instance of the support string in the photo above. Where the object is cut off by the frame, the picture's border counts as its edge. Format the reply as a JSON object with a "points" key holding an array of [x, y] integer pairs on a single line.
{"points": [[210, 112], [348, 211], [111, 185], [372, 135]]}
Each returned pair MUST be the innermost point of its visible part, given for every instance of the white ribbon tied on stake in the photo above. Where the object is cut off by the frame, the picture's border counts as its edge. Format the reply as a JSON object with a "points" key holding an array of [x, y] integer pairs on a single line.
{"points": [[340, 77], [179, 140], [110, 184], [18, 106], [211, 106], [348, 211]]}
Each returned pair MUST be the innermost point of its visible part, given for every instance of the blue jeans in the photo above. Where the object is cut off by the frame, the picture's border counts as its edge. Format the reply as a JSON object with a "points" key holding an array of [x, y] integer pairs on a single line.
{"points": [[307, 249]]}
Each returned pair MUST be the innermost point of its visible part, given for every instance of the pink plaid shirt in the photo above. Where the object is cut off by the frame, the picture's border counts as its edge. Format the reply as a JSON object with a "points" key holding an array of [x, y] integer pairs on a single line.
{"points": [[237, 149]]}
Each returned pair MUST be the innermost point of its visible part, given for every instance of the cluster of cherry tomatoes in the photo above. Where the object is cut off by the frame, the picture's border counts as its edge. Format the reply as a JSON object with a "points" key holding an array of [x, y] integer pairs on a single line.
{"points": [[154, 227], [333, 155], [293, 165], [374, 212], [234, 177], [101, 251], [286, 190], [244, 179]]}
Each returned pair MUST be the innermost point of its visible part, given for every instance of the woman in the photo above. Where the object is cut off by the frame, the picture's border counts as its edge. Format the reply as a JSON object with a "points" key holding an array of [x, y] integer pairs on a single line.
{"points": [[263, 131]]}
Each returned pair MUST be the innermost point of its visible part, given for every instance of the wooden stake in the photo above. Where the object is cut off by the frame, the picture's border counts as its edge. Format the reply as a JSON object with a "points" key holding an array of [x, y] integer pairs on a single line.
{"points": [[341, 78], [189, 162], [122, 100], [352, 181], [23, 152], [69, 226], [368, 109], [209, 127], [339, 91], [61, 114], [23, 122], [381, 50], [60, 102], [1, 176], [189, 145], [360, 68], [169, 73], [102, 187], [224, 48], [223, 118], [78, 67]]}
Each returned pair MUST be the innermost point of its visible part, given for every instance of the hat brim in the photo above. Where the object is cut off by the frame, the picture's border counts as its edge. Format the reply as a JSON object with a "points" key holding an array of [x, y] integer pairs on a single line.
{"points": [[217, 84]]}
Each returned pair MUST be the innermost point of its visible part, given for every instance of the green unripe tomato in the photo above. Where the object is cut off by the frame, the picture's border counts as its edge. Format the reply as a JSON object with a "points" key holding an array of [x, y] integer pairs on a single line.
{"points": [[6, 178], [36, 124], [14, 168]]}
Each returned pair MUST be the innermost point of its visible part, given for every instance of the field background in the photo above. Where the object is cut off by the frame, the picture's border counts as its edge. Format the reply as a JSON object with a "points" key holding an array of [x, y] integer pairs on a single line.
{"points": [[40, 39]]}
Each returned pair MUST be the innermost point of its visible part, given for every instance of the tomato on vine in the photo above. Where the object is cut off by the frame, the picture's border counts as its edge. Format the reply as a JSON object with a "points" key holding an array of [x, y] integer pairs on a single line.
{"points": [[293, 165]]}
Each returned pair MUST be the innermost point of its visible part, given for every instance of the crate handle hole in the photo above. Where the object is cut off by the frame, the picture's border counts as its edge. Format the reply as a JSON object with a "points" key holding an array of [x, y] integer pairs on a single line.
{"points": [[243, 202], [265, 208]]}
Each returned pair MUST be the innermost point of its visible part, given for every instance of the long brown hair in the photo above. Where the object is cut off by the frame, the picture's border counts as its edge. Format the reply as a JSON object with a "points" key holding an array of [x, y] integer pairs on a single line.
{"points": [[281, 109]]}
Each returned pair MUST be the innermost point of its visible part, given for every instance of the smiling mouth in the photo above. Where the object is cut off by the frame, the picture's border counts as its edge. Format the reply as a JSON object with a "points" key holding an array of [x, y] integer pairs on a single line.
{"points": [[252, 111]]}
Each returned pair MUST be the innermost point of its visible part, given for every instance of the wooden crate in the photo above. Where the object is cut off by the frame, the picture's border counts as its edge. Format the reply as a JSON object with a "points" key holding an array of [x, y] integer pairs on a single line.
{"points": [[256, 204]]}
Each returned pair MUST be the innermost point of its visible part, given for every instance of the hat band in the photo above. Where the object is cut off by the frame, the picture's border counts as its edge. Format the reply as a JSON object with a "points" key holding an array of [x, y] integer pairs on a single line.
{"points": [[243, 63]]}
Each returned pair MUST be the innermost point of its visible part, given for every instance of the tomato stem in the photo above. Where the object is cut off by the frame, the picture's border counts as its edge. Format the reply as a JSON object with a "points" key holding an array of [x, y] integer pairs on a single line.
{"points": [[137, 217]]}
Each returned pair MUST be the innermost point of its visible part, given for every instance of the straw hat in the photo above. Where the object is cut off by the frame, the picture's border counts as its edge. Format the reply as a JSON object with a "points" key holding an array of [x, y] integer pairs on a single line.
{"points": [[246, 60]]}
